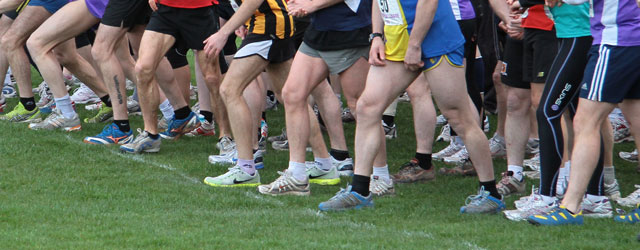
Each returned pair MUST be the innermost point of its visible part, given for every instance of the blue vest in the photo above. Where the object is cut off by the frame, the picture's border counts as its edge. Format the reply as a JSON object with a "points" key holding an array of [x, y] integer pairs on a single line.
{"points": [[340, 17]]}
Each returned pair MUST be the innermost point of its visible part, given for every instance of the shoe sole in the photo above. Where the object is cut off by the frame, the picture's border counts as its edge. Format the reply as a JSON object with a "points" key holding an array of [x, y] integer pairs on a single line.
{"points": [[325, 182], [295, 193], [358, 207], [234, 185]]}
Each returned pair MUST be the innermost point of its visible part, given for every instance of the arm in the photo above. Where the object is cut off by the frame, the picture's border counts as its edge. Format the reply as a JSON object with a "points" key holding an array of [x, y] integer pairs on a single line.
{"points": [[215, 43], [377, 51], [425, 12], [501, 9], [9, 5]]}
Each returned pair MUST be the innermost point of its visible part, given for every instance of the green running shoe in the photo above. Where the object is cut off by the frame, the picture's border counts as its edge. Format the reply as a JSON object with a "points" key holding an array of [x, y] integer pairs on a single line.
{"points": [[104, 114], [20, 114], [321, 176], [234, 178]]}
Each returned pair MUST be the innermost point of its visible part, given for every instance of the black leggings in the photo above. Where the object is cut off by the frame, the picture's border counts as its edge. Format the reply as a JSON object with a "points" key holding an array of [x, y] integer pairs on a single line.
{"points": [[561, 92]]}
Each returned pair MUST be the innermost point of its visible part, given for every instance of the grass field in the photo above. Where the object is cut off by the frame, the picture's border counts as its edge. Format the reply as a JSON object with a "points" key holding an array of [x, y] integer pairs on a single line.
{"points": [[57, 192]]}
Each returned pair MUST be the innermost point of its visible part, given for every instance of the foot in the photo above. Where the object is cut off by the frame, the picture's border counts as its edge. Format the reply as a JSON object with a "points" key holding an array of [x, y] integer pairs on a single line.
{"points": [[227, 158], [465, 169], [632, 199], [235, 177], [411, 172], [510, 185], [612, 190], [142, 143], [84, 95], [557, 217], [286, 184], [535, 206], [20, 114], [450, 150], [497, 146], [445, 133], [381, 187], [111, 134], [459, 157], [344, 167], [390, 132], [482, 203], [632, 217], [629, 156], [176, 128], [57, 121], [104, 114], [205, 129], [225, 144], [346, 199], [320, 176], [599, 208], [533, 163]]}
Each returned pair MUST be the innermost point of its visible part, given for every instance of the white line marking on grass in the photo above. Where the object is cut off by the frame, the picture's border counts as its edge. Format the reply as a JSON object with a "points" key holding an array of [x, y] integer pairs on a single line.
{"points": [[263, 198], [472, 246], [140, 159]]}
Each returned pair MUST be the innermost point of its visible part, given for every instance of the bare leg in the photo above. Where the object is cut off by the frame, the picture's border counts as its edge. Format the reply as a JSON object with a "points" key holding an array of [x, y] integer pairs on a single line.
{"points": [[424, 114], [329, 108], [517, 124]]}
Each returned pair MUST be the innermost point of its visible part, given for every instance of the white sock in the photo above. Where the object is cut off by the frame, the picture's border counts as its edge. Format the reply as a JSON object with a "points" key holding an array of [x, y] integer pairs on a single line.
{"points": [[64, 105], [298, 170], [324, 163], [458, 141], [166, 109], [248, 166], [548, 199], [7, 77], [567, 169], [382, 172], [517, 171]]}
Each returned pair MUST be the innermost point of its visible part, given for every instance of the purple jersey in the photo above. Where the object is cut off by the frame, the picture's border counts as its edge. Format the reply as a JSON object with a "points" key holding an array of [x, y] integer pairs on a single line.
{"points": [[615, 22], [96, 7], [462, 9]]}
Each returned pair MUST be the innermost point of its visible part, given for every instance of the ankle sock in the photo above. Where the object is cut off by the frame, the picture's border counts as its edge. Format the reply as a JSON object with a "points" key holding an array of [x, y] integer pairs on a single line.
{"points": [[324, 163], [360, 184], [65, 107], [248, 166], [340, 155], [207, 115], [29, 103], [123, 125], [382, 172], [517, 171], [609, 175], [424, 160], [388, 120], [166, 109], [182, 113], [153, 136], [298, 170], [491, 187], [106, 100]]}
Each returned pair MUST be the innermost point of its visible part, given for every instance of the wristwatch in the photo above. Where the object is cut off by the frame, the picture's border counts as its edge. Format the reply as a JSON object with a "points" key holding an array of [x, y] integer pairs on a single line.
{"points": [[374, 35]]}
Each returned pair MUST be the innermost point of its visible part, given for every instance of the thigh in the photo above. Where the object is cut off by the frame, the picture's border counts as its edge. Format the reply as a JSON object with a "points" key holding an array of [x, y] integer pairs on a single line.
{"points": [[153, 47], [545, 49], [28, 21], [5, 23], [512, 68], [385, 83], [278, 72], [448, 85], [305, 74], [243, 71], [108, 37], [70, 21]]}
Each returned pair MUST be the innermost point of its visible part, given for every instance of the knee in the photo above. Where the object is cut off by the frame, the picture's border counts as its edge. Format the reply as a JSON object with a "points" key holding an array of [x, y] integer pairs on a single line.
{"points": [[8, 43], [213, 80], [66, 58], [229, 92], [292, 96], [99, 52], [144, 72], [517, 104], [367, 109]]}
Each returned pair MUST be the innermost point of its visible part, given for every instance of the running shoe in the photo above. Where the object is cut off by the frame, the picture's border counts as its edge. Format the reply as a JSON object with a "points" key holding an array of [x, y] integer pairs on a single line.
{"points": [[142, 143], [404, 97], [225, 144], [450, 150], [286, 184], [344, 167], [380, 187], [347, 116], [411, 172], [93, 107], [629, 156], [20, 114], [227, 158], [193, 92], [84, 95], [129, 85], [346, 199], [533, 163], [177, 128], [320, 176], [281, 137], [612, 190], [509, 185], [445, 133], [632, 199], [459, 157], [9, 91], [284, 146], [535, 174], [632, 217], [482, 203], [498, 146], [533, 146], [487, 125], [133, 107], [235, 177], [111, 134], [601, 208], [465, 169], [3, 103], [525, 200], [272, 102], [45, 95], [163, 123], [205, 129], [556, 217], [441, 120], [561, 186], [57, 120], [536, 206], [621, 130], [390, 132], [104, 114]]}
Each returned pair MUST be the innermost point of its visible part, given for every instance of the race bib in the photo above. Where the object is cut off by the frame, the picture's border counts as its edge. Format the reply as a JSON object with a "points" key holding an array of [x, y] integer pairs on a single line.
{"points": [[390, 12]]}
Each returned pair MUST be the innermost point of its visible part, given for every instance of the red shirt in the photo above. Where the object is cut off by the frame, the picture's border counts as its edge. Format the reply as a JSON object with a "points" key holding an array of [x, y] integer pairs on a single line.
{"points": [[187, 4], [537, 19]]}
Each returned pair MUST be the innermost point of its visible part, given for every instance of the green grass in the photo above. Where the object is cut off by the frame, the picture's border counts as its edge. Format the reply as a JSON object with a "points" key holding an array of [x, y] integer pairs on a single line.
{"points": [[58, 193]]}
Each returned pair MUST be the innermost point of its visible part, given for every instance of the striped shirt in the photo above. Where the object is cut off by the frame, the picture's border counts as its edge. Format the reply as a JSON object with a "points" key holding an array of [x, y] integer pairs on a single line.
{"points": [[615, 22], [462, 9], [271, 19]]}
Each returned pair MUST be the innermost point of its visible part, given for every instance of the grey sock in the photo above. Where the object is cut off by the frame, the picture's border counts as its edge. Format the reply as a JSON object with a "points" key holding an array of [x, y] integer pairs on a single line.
{"points": [[609, 175]]}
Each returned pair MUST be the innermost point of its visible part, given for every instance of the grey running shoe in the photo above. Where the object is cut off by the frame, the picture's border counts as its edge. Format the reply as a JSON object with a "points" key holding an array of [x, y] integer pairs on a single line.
{"points": [[163, 123], [510, 185], [346, 199], [57, 120], [535, 206], [142, 143], [612, 190], [284, 146], [629, 156], [390, 132], [380, 187], [411, 172], [284, 185], [533, 146], [533, 163], [450, 150], [441, 120], [597, 209], [345, 167], [498, 146], [445, 133], [225, 145], [482, 203], [281, 137]]}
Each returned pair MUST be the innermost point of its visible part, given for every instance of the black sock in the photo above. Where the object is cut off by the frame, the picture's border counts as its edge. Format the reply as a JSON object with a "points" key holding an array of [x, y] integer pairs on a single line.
{"points": [[29, 103], [106, 100], [340, 155], [264, 116], [491, 187], [123, 125], [424, 160], [153, 136], [207, 115], [360, 184], [181, 113], [320, 120], [389, 120]]}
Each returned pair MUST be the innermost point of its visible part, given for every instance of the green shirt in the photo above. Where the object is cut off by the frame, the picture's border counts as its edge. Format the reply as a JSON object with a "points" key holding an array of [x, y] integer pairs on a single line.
{"points": [[572, 20]]}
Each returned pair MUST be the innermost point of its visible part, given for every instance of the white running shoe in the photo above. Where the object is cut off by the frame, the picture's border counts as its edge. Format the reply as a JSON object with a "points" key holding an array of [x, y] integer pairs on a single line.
{"points": [[445, 133], [535, 205], [498, 146], [380, 187], [533, 163], [441, 120], [390, 132], [404, 97], [458, 158], [129, 85], [600, 208], [621, 132], [632, 199], [57, 121], [226, 158], [448, 151], [235, 177], [533, 146], [286, 184], [561, 186], [133, 107], [344, 167], [629, 156], [226, 144], [487, 126], [84, 95]]}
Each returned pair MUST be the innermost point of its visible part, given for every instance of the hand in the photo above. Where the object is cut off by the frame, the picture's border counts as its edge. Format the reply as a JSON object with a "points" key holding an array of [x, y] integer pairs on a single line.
{"points": [[514, 27], [516, 8], [153, 5], [241, 31], [413, 58], [214, 44], [554, 3], [300, 8], [503, 26], [377, 52]]}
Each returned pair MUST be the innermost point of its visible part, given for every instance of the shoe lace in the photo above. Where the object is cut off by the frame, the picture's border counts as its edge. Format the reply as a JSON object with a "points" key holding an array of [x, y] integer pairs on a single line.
{"points": [[141, 136], [282, 183], [477, 199]]}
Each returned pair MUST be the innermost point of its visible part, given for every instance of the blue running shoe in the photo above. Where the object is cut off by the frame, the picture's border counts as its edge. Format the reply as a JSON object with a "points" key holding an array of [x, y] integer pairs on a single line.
{"points": [[632, 217], [111, 134], [346, 199], [557, 217], [8, 91], [482, 203], [176, 128]]}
